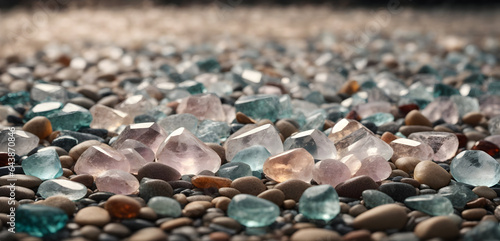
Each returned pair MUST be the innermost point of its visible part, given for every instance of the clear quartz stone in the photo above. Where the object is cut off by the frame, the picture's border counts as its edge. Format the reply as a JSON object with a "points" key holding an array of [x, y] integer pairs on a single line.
{"points": [[265, 135], [410, 148], [315, 142], [149, 133], [60, 187], [98, 159], [443, 144], [362, 143], [475, 168], [203, 106], [24, 142], [442, 108], [107, 118]]}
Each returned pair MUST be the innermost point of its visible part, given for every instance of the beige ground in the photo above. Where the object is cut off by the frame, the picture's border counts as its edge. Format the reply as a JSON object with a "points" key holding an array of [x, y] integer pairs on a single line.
{"points": [[23, 31]]}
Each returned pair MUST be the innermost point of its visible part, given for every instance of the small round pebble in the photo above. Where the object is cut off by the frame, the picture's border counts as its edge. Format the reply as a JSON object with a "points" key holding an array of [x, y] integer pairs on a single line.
{"points": [[120, 206], [437, 227], [249, 185], [293, 188], [430, 173], [150, 234], [315, 234], [92, 216], [274, 195]]}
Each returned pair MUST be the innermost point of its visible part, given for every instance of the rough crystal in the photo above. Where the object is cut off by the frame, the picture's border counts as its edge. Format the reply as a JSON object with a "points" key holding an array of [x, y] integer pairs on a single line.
{"points": [[320, 203], [254, 156], [48, 92], [60, 187], [149, 133], [441, 108], [135, 105], [135, 159], [475, 168], [44, 165], [458, 194], [39, 220], [344, 128], [234, 170], [265, 135], [143, 150], [117, 181], [98, 159], [443, 144], [331, 172], [362, 143], [379, 118], [24, 142], [43, 109], [174, 122], [376, 167], [352, 162], [315, 142], [403, 147], [203, 106], [72, 117], [374, 198], [107, 118], [252, 211], [434, 205], [293, 164], [259, 106]]}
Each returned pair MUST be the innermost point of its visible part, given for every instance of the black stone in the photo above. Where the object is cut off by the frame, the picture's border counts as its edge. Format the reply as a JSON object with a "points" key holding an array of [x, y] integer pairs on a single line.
{"points": [[398, 191]]}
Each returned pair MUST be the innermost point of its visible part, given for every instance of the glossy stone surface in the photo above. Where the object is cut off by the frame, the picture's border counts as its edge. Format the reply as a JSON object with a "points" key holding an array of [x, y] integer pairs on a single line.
{"points": [[203, 106], [202, 181], [320, 203], [72, 117], [39, 220], [330, 171], [149, 134], [443, 144], [441, 108], [458, 194], [139, 147], [234, 170], [374, 198], [165, 207], [174, 122], [376, 167], [187, 154], [254, 156], [117, 181], [344, 128], [135, 105], [265, 135], [43, 109], [475, 168], [135, 159], [60, 187], [107, 118], [488, 147], [48, 92], [362, 143], [293, 164], [23, 144], [403, 147], [44, 165], [313, 141], [259, 107], [379, 118], [98, 159], [220, 130], [352, 162], [252, 211], [434, 205]]}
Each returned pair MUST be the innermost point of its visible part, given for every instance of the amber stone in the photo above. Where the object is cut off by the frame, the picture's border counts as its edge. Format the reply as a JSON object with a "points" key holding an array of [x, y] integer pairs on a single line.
{"points": [[387, 137], [350, 87], [122, 207], [353, 115], [39, 126], [462, 140], [405, 109], [488, 147], [210, 182]]}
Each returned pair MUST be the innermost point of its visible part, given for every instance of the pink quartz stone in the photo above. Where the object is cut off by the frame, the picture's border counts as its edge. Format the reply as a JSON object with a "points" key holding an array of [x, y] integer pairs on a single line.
{"points": [[117, 181], [149, 134], [134, 158], [107, 118], [443, 144], [362, 143], [98, 159], [352, 162], [331, 172], [367, 109], [409, 148], [142, 149], [203, 106], [442, 108], [187, 154], [344, 128], [293, 164], [136, 105], [265, 135], [375, 167], [490, 105]]}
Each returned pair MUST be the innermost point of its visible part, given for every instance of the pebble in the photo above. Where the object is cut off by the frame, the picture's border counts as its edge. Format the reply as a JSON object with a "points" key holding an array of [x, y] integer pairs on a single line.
{"points": [[85, 179], [474, 213], [61, 202], [286, 128], [67, 161], [219, 236], [358, 235], [117, 229], [354, 187], [202, 181], [175, 223], [92, 216], [5, 205], [156, 170], [274, 195], [398, 191], [90, 232], [388, 216], [222, 203], [249, 185], [289, 204], [437, 227], [39, 126], [357, 209], [20, 192], [120, 206], [430, 173], [472, 118], [150, 234], [153, 188], [293, 188], [227, 222], [228, 192], [21, 180], [484, 191], [315, 234], [407, 164], [77, 150], [407, 130], [415, 118]]}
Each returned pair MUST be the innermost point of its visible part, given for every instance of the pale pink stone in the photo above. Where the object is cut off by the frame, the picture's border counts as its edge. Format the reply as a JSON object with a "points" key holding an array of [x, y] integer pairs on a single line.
{"points": [[367, 109], [362, 143], [495, 139], [117, 181], [142, 149], [293, 164], [187, 154], [107, 118], [441, 108], [203, 106], [344, 128], [443, 144], [136, 105], [134, 158], [98, 159], [331, 171], [375, 167], [352, 162], [149, 134], [409, 148], [490, 105], [265, 135]]}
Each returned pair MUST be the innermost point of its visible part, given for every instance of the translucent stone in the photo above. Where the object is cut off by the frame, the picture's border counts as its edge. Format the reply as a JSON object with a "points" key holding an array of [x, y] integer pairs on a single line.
{"points": [[135, 159], [149, 134], [331, 172], [135, 105], [60, 187], [475, 168], [409, 148], [265, 135], [483, 231], [286, 108], [72, 117], [48, 92], [320, 203], [368, 109], [459, 195], [44, 165], [252, 211], [20, 98], [234, 170], [43, 109], [375, 167], [254, 156], [490, 105], [143, 150], [39, 220], [344, 128], [362, 143], [444, 90], [465, 104], [444, 144], [24, 141], [203, 106], [174, 122], [165, 206], [375, 198], [98, 159], [434, 205], [379, 118], [107, 118], [293, 164], [259, 107], [117, 181], [314, 120], [314, 142], [441, 108], [220, 129], [187, 154], [193, 87], [352, 162], [494, 125]]}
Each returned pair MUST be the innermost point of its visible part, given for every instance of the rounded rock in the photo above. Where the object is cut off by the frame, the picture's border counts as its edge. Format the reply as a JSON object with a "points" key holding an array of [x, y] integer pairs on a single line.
{"points": [[39, 126], [315, 234], [380, 218], [414, 117], [150, 234], [437, 227], [92, 216], [430, 173], [293, 189], [355, 186], [474, 213], [249, 185], [228, 192], [484, 191], [77, 150], [123, 207], [274, 195], [156, 170], [61, 202], [407, 164]]}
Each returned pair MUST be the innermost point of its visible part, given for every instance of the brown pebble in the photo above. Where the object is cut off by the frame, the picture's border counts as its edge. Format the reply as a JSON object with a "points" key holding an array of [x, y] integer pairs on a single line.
{"points": [[181, 198], [303, 225], [411, 181], [123, 207], [315, 234], [417, 214], [387, 137], [344, 207], [117, 229], [221, 152], [20, 192], [400, 173], [489, 218], [383, 217], [437, 227], [484, 191], [67, 172], [286, 128], [109, 101], [407, 164], [194, 209], [274, 195], [92, 216], [175, 223], [228, 223], [6, 204], [195, 198], [415, 118], [244, 119], [353, 187], [430, 173], [202, 181], [477, 203], [77, 150], [150, 234], [21, 180], [407, 130], [156, 170], [66, 161], [293, 188], [289, 204], [147, 213], [357, 209], [228, 192], [472, 118], [219, 236], [249, 185], [39, 126], [90, 232], [473, 214], [223, 203], [358, 235], [61, 202]]}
